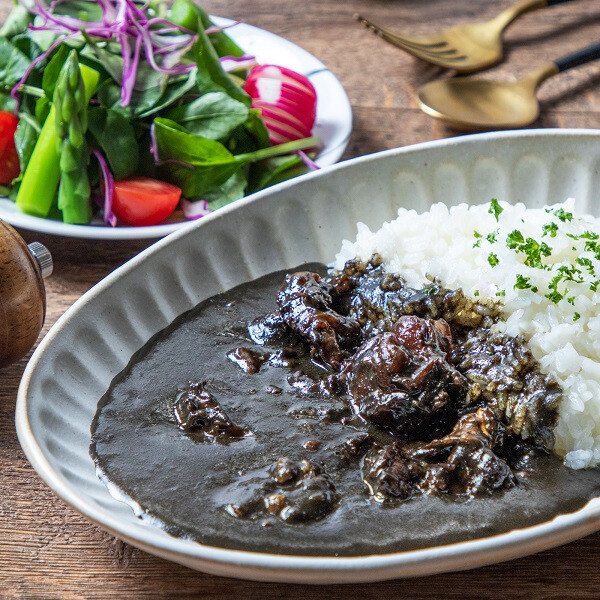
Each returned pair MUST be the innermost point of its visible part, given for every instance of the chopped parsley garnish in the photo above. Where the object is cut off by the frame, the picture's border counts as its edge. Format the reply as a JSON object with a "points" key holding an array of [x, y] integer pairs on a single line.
{"points": [[514, 238], [523, 284], [550, 229], [533, 250], [500, 293], [560, 213], [576, 316], [476, 293], [493, 259], [495, 208], [491, 237], [478, 237]]}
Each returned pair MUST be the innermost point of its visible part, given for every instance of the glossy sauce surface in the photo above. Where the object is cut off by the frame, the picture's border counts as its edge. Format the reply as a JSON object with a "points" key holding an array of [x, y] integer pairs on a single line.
{"points": [[188, 484]]}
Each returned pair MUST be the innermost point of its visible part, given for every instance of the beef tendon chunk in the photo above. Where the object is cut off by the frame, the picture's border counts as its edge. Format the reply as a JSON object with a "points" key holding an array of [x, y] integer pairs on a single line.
{"points": [[199, 414], [307, 307], [502, 370], [246, 359], [468, 450], [402, 380], [391, 476], [293, 491], [377, 299]]}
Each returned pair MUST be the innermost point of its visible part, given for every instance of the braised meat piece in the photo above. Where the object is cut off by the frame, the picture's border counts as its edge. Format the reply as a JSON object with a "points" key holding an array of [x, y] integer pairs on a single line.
{"points": [[307, 307], [198, 413], [293, 491], [391, 476], [402, 381], [469, 452], [270, 329], [504, 374], [246, 359], [377, 299]]}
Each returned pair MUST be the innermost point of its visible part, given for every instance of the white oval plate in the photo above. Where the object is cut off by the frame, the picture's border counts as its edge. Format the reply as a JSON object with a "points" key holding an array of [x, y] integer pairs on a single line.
{"points": [[303, 220], [333, 127]]}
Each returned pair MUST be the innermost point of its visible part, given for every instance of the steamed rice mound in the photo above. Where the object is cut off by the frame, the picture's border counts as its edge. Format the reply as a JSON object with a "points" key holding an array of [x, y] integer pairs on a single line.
{"points": [[563, 335]]}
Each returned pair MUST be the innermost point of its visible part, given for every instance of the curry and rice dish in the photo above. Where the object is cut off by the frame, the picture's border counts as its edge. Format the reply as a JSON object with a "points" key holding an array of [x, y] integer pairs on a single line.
{"points": [[374, 406]]}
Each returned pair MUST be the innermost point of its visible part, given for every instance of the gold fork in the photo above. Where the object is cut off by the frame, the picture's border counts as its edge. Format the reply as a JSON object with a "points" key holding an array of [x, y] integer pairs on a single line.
{"points": [[464, 48]]}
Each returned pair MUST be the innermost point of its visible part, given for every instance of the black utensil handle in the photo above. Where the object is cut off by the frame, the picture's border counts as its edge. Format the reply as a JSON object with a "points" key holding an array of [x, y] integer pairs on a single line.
{"points": [[555, 2], [578, 58]]}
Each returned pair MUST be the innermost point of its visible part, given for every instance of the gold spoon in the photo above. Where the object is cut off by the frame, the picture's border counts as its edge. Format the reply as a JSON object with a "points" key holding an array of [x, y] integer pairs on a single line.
{"points": [[464, 48], [471, 103]]}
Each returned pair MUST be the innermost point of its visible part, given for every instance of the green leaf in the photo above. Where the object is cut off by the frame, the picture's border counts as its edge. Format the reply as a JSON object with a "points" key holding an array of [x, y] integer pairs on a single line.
{"points": [[16, 22], [26, 137], [275, 170], [208, 163], [212, 164], [80, 9], [13, 63], [173, 92], [116, 137], [210, 75], [42, 108], [257, 128], [214, 115], [53, 69], [7, 102], [233, 189]]}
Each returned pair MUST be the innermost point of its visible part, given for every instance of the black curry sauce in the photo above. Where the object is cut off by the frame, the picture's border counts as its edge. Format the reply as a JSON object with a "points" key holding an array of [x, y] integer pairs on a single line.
{"points": [[337, 414]]}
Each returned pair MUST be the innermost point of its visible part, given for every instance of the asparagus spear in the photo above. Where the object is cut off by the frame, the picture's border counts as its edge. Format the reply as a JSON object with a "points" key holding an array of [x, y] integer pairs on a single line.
{"points": [[70, 107], [40, 180]]}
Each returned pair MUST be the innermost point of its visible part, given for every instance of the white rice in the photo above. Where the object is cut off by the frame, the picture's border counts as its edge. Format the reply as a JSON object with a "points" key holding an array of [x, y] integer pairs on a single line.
{"points": [[439, 244]]}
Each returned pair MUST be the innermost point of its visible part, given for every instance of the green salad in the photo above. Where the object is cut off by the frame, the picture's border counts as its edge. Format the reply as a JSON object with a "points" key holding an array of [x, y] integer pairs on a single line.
{"points": [[126, 110]]}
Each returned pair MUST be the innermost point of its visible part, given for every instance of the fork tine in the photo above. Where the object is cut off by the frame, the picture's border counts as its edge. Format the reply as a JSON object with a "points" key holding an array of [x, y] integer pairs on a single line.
{"points": [[443, 61], [394, 38]]}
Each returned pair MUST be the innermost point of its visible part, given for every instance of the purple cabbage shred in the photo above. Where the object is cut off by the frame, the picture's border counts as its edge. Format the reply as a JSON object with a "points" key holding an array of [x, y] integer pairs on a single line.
{"points": [[109, 189]]}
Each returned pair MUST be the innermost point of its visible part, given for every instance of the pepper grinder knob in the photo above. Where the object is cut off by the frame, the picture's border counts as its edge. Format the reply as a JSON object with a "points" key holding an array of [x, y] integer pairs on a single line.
{"points": [[22, 293], [43, 257]]}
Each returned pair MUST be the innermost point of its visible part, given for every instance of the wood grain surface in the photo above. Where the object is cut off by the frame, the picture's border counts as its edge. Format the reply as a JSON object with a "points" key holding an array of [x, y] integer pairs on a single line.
{"points": [[49, 551]]}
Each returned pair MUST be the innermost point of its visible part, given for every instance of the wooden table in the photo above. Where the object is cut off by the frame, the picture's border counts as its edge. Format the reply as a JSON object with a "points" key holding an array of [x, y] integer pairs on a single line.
{"points": [[49, 551]]}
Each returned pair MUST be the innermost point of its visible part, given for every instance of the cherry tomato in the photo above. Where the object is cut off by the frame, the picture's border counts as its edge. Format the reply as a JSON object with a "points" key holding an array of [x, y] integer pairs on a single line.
{"points": [[8, 126], [10, 166], [144, 201]]}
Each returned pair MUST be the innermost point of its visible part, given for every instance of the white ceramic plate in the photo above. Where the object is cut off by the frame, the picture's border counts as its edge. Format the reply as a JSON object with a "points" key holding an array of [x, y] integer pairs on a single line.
{"points": [[298, 221], [333, 127]]}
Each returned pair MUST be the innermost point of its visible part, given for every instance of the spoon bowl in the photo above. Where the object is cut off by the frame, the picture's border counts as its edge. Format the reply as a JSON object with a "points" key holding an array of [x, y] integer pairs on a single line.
{"points": [[468, 103]]}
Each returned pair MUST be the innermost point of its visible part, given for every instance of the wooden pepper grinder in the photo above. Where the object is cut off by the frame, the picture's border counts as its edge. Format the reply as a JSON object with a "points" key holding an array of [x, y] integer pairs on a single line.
{"points": [[22, 293]]}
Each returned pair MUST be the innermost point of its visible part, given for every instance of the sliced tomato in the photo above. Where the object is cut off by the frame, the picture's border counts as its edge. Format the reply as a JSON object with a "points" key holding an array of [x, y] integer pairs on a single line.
{"points": [[8, 126], [144, 201], [10, 166]]}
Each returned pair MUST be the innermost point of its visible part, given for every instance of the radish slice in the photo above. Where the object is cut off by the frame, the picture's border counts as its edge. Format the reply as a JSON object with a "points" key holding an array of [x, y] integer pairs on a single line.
{"points": [[287, 101]]}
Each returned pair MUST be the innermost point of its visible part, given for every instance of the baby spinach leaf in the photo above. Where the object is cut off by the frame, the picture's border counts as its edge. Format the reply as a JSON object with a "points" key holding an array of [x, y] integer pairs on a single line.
{"points": [[233, 189], [42, 108], [53, 69], [80, 9], [176, 88], [25, 138], [16, 22], [257, 128], [214, 115], [275, 170], [7, 102], [13, 63], [116, 137], [210, 163], [210, 75], [222, 43]]}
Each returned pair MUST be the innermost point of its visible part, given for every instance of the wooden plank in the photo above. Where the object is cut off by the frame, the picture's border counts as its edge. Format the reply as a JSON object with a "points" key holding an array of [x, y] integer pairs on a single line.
{"points": [[49, 551]]}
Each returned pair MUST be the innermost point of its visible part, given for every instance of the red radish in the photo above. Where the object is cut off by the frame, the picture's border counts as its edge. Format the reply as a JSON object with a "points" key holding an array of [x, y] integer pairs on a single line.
{"points": [[286, 99]]}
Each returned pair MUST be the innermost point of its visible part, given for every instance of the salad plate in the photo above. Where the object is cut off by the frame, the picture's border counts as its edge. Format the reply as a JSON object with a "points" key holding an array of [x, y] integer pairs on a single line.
{"points": [[297, 221], [333, 126]]}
